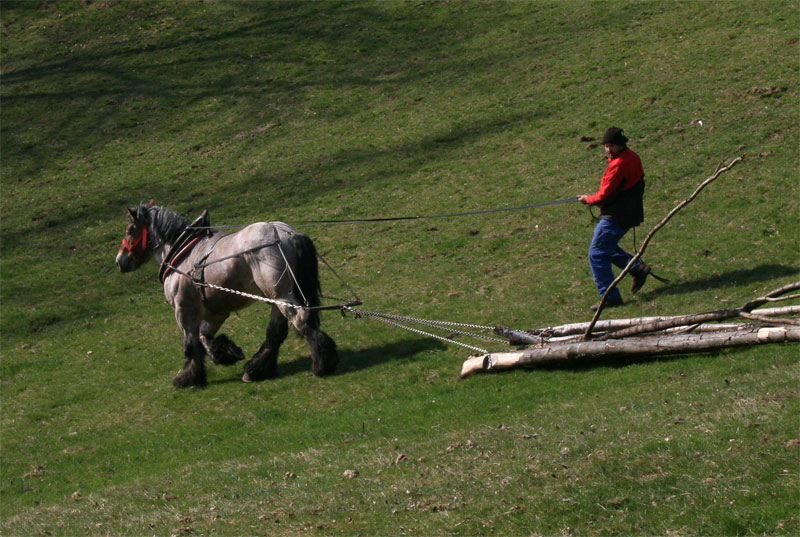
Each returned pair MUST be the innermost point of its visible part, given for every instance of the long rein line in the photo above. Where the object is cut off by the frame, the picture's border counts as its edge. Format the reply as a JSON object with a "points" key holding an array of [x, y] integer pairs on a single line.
{"points": [[432, 216], [306, 223]]}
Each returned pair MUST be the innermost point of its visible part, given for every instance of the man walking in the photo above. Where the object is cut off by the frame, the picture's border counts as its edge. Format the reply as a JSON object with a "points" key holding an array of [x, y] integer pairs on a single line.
{"points": [[621, 208]]}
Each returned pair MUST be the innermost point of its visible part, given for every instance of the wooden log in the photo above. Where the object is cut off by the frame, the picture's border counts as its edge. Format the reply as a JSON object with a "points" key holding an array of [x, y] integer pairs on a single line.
{"points": [[521, 338], [633, 347], [552, 332]]}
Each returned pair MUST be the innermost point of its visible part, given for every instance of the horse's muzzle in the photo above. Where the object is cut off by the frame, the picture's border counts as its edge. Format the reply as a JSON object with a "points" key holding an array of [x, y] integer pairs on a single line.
{"points": [[124, 263]]}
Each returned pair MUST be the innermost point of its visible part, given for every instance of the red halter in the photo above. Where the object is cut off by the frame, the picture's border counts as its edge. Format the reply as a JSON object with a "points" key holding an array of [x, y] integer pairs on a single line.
{"points": [[141, 239]]}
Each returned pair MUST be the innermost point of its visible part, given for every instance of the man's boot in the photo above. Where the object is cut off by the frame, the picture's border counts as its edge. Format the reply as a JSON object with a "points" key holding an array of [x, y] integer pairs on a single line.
{"points": [[639, 276]]}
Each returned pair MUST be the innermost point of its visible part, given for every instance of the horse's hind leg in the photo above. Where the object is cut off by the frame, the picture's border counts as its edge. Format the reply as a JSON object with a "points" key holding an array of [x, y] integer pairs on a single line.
{"points": [[264, 364], [220, 348], [324, 356]]}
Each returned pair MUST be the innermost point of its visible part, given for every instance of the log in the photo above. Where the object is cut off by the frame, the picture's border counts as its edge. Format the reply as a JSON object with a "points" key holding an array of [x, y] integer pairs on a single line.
{"points": [[519, 338], [551, 333], [633, 347]]}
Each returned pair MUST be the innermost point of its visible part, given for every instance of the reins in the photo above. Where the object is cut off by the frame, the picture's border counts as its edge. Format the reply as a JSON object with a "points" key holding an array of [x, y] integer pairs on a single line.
{"points": [[305, 223], [433, 216]]}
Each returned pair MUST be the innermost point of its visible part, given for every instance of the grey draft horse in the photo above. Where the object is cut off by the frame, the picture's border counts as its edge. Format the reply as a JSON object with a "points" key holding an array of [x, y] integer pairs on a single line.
{"points": [[268, 259]]}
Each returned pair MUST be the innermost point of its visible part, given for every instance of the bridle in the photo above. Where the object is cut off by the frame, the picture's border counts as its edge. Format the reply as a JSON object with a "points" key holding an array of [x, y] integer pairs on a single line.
{"points": [[141, 239]]}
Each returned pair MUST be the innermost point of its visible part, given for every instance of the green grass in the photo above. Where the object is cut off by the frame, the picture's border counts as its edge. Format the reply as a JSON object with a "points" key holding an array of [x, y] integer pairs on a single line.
{"points": [[315, 110]]}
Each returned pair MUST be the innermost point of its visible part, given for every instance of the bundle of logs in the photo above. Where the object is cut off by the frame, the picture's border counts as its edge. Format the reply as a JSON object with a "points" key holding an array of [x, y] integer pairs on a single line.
{"points": [[651, 335], [648, 336]]}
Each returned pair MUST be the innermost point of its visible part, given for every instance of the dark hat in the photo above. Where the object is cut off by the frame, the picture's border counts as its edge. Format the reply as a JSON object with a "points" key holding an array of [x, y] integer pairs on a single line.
{"points": [[614, 136]]}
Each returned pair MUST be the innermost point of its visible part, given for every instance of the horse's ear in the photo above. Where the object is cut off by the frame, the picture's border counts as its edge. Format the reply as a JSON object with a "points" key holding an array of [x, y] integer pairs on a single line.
{"points": [[131, 215]]}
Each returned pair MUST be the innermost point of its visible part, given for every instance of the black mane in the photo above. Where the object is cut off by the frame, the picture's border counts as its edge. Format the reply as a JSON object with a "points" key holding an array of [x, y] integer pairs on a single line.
{"points": [[165, 223]]}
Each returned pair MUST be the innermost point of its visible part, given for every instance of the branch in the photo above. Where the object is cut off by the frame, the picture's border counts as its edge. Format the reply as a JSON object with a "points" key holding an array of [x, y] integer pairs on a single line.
{"points": [[772, 296], [684, 203], [770, 320], [717, 315]]}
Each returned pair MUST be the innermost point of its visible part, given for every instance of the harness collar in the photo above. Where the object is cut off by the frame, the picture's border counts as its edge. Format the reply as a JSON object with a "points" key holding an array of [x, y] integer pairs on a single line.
{"points": [[187, 240]]}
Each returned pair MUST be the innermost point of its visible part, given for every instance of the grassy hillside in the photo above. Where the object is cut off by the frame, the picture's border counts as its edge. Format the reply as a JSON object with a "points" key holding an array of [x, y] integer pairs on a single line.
{"points": [[319, 110]]}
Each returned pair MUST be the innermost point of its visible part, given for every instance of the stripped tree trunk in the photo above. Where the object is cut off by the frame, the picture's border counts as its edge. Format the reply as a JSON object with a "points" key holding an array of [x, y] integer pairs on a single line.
{"points": [[641, 346]]}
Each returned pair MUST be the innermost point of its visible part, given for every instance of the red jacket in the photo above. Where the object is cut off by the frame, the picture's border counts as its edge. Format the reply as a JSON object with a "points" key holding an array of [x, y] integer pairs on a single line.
{"points": [[620, 193]]}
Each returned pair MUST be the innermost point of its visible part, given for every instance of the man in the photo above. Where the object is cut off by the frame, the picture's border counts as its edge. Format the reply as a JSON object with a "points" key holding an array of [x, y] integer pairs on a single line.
{"points": [[621, 208]]}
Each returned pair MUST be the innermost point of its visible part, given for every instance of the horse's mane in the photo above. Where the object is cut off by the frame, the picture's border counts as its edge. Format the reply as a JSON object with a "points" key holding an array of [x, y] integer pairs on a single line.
{"points": [[165, 223]]}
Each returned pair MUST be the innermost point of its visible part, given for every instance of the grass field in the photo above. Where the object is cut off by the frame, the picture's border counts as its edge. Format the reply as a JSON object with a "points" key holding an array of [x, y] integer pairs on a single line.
{"points": [[330, 110]]}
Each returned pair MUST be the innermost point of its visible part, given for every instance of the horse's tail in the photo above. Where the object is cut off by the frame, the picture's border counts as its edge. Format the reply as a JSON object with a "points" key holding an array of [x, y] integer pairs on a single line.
{"points": [[306, 274]]}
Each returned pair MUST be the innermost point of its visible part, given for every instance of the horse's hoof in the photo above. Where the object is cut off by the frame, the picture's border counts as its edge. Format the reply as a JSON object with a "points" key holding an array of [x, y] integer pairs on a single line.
{"points": [[181, 383], [246, 378], [192, 376], [223, 351]]}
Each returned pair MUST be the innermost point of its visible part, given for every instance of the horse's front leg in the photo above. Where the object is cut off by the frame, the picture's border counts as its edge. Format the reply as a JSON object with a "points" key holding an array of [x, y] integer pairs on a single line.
{"points": [[194, 369], [220, 348]]}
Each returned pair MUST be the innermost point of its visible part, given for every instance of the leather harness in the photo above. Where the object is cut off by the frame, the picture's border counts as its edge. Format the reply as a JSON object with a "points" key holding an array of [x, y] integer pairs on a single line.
{"points": [[187, 240]]}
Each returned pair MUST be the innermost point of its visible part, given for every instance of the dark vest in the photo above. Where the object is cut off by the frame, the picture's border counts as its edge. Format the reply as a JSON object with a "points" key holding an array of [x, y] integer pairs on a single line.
{"points": [[625, 207]]}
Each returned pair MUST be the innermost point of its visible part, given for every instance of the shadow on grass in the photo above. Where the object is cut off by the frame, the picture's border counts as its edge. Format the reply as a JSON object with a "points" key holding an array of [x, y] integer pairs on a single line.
{"points": [[349, 361], [757, 274], [358, 360], [145, 83]]}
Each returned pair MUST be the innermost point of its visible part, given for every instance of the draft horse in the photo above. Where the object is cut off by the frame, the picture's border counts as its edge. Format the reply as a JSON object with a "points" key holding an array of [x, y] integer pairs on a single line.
{"points": [[265, 259]]}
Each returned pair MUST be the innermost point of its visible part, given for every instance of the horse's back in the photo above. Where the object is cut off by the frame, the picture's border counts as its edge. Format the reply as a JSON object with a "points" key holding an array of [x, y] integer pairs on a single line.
{"points": [[251, 260], [265, 233]]}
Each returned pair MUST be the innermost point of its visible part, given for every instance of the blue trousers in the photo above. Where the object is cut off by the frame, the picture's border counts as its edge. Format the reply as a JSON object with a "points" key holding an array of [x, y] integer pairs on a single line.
{"points": [[605, 251]]}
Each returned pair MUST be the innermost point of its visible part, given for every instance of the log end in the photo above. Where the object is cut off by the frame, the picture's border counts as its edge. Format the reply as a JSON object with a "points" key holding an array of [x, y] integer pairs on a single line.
{"points": [[474, 364]]}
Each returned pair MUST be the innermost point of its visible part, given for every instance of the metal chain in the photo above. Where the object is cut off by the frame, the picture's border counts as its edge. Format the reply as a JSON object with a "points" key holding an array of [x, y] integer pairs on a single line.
{"points": [[441, 325], [427, 321], [434, 324], [384, 318]]}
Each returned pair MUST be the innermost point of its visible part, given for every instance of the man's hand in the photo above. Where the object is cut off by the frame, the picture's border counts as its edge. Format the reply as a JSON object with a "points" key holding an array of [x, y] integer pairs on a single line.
{"points": [[582, 198]]}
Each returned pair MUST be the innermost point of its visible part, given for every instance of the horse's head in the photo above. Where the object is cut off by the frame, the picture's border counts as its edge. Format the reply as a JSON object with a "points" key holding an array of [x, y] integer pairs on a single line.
{"points": [[137, 247]]}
